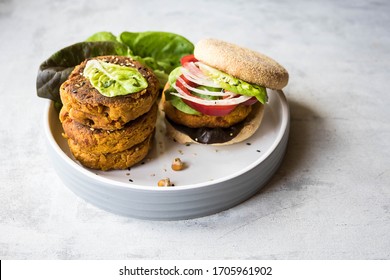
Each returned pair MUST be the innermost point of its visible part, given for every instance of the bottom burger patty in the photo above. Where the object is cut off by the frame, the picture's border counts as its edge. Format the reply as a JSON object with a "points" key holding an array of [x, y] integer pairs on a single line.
{"points": [[107, 161], [236, 116]]}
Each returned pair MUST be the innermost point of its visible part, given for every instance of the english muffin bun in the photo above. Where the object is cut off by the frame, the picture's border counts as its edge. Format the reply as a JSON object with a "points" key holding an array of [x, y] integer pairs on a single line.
{"points": [[243, 63], [218, 95]]}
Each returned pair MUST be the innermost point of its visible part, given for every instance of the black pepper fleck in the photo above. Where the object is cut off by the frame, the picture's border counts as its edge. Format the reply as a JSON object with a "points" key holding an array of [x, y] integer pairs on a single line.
{"points": [[249, 144], [258, 151], [130, 180]]}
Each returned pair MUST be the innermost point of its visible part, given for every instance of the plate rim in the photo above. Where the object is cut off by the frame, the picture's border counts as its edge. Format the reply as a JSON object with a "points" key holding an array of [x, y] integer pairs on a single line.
{"points": [[116, 184]]}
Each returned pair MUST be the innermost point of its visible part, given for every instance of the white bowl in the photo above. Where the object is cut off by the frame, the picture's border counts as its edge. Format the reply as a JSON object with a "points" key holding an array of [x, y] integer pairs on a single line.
{"points": [[216, 177]]}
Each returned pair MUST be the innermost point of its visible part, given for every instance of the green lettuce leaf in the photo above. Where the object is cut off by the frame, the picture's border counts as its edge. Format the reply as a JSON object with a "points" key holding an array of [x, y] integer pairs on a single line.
{"points": [[158, 50], [175, 73], [236, 85], [112, 79], [176, 101], [56, 69], [102, 36], [161, 51]]}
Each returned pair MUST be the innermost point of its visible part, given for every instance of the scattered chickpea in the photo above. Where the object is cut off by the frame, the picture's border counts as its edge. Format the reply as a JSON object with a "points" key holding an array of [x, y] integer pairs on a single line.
{"points": [[166, 182], [177, 164]]}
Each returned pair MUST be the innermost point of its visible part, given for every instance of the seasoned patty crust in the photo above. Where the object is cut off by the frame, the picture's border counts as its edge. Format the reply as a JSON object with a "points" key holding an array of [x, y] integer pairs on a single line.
{"points": [[86, 105], [109, 141], [107, 161]]}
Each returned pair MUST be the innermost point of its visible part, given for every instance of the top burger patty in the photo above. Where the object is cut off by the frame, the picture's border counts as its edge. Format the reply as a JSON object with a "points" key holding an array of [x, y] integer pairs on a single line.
{"points": [[86, 105]]}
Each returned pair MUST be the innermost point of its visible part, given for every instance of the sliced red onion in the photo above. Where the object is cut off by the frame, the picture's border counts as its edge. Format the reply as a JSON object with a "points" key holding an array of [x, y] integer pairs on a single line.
{"points": [[207, 92], [193, 73], [194, 70], [203, 67], [196, 80], [228, 101]]}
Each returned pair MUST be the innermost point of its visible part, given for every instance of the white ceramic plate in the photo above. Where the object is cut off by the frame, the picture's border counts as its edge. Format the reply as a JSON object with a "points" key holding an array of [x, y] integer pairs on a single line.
{"points": [[216, 177]]}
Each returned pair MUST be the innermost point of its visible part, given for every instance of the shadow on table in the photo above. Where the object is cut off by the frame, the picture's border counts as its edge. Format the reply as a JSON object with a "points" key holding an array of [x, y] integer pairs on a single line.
{"points": [[304, 124]]}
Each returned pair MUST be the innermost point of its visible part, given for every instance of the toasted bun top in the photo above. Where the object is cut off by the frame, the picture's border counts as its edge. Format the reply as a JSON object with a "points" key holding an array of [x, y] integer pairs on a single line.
{"points": [[242, 63]]}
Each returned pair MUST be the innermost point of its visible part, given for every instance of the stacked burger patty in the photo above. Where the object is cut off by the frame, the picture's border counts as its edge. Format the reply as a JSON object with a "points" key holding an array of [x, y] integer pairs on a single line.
{"points": [[108, 132]]}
